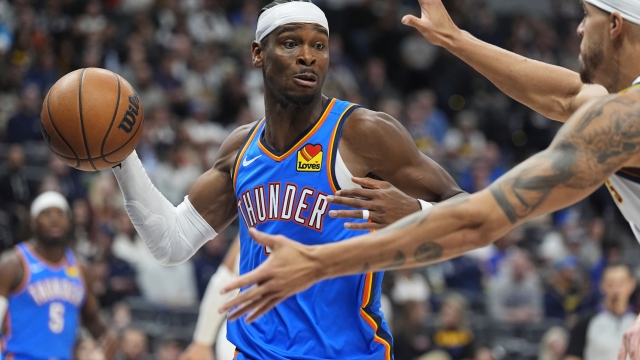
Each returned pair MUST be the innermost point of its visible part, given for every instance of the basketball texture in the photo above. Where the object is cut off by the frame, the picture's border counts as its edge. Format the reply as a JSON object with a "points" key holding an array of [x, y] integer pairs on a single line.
{"points": [[92, 119]]}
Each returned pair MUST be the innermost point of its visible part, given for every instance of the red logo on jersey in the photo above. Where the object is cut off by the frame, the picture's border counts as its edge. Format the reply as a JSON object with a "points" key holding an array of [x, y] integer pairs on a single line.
{"points": [[310, 158]]}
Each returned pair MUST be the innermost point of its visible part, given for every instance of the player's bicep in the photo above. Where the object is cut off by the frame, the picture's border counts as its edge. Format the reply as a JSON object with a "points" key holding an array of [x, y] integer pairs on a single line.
{"points": [[403, 165], [212, 195], [588, 92]]}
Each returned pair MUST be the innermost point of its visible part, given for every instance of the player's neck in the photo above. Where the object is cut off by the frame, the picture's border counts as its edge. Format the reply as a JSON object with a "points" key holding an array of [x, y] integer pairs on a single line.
{"points": [[629, 69], [286, 121], [51, 253]]}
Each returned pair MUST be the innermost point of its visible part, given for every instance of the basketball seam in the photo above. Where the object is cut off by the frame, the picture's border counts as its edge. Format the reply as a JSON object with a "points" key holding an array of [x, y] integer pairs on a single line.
{"points": [[55, 128], [84, 137], [104, 140], [132, 136]]}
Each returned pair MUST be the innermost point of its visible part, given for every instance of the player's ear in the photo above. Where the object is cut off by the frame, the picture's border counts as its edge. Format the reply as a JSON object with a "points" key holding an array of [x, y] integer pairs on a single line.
{"points": [[257, 54], [617, 25]]}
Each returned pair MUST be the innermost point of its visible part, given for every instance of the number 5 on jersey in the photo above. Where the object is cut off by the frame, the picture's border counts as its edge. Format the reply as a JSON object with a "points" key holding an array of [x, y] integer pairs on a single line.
{"points": [[56, 317]]}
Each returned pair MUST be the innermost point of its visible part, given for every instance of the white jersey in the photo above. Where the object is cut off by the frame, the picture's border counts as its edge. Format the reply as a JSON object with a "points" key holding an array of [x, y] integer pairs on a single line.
{"points": [[624, 186]]}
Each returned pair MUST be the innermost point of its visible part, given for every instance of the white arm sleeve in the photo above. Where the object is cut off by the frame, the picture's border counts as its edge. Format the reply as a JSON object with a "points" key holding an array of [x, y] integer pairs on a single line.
{"points": [[209, 319], [172, 234], [4, 305]]}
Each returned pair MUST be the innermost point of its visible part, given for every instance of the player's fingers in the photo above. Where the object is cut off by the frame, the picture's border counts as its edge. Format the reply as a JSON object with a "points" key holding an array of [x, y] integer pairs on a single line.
{"points": [[370, 183], [247, 279], [622, 351], [632, 346], [347, 201], [245, 308], [262, 309], [346, 214], [253, 292], [411, 20], [359, 193], [363, 226], [264, 238]]}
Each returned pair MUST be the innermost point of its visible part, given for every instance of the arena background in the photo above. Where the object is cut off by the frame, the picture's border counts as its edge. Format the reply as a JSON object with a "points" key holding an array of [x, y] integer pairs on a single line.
{"points": [[190, 63]]}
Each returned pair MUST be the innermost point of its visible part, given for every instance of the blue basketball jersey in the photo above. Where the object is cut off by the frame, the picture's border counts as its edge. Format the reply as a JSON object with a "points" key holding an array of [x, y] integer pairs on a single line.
{"points": [[286, 193], [43, 316]]}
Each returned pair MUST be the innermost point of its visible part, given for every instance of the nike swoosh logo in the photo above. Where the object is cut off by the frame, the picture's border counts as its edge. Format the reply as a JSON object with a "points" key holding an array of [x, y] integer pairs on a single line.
{"points": [[246, 162]]}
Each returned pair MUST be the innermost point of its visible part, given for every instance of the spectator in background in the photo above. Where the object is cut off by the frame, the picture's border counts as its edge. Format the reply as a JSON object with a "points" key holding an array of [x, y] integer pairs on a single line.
{"points": [[412, 337], [16, 193], [464, 143], [134, 345], [67, 179], [453, 333], [87, 349], [205, 135], [208, 260], [567, 295], [169, 349], [553, 344], [174, 177], [598, 335], [515, 294], [171, 286], [24, 126], [426, 123]]}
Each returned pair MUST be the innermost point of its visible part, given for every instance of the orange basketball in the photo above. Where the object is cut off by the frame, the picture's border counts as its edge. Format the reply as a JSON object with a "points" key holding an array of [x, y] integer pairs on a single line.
{"points": [[92, 119]]}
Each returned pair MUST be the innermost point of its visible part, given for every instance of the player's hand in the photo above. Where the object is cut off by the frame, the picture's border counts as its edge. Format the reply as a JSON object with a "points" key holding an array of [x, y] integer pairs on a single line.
{"points": [[109, 344], [630, 342], [386, 204], [290, 268], [197, 351], [434, 23]]}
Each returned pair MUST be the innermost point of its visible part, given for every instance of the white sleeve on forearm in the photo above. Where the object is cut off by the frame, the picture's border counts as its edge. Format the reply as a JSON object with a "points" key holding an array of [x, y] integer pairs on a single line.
{"points": [[209, 319], [172, 234], [4, 305]]}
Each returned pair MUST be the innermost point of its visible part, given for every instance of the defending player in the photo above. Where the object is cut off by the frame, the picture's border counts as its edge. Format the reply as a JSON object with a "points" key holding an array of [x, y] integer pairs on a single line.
{"points": [[278, 175], [600, 142], [43, 290]]}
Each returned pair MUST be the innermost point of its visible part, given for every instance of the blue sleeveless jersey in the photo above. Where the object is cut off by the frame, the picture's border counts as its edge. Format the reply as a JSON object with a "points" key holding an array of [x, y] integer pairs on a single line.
{"points": [[43, 316], [286, 193]]}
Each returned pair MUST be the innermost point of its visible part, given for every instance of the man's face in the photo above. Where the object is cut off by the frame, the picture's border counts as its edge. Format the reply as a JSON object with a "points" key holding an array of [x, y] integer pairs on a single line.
{"points": [[617, 284], [52, 226], [294, 62], [595, 46]]}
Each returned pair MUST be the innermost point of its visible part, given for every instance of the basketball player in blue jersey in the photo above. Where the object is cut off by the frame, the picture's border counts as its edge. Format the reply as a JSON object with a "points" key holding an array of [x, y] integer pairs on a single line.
{"points": [[43, 291], [599, 143], [279, 175]]}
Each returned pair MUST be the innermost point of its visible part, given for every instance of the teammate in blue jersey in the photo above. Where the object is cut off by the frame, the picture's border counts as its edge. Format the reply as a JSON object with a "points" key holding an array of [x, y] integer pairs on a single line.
{"points": [[43, 291], [280, 175]]}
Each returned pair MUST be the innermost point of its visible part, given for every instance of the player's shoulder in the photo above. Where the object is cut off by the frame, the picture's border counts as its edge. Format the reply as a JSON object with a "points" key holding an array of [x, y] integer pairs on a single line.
{"points": [[11, 270], [232, 144], [364, 122]]}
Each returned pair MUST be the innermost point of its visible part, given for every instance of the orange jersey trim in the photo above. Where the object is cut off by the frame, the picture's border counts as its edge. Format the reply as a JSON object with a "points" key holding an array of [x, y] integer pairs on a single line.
{"points": [[368, 283], [243, 150], [330, 169], [315, 128]]}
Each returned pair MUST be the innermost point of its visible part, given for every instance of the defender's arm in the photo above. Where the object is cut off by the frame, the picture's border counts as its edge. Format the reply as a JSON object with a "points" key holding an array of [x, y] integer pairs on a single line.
{"points": [[597, 141], [553, 91], [91, 319]]}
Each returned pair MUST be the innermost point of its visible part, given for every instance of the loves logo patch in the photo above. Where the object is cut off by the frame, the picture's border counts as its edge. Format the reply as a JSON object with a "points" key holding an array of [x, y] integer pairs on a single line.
{"points": [[310, 158]]}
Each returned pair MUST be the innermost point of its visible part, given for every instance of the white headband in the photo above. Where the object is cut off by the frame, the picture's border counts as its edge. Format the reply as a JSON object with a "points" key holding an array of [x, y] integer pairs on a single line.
{"points": [[628, 9], [287, 13], [46, 200]]}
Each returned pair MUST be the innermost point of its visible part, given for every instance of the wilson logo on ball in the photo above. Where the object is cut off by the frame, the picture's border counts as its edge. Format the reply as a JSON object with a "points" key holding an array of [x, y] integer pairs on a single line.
{"points": [[129, 119]]}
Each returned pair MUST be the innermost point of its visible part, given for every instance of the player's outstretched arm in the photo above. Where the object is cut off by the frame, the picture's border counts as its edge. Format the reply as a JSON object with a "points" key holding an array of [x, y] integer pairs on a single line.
{"points": [[209, 319], [597, 141], [173, 234], [553, 91]]}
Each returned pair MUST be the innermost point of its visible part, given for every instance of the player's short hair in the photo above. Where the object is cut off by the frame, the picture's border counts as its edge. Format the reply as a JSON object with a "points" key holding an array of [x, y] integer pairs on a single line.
{"points": [[272, 4]]}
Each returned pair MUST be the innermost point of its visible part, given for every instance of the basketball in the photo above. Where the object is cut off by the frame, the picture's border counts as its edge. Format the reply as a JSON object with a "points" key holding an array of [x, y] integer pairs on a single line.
{"points": [[92, 119]]}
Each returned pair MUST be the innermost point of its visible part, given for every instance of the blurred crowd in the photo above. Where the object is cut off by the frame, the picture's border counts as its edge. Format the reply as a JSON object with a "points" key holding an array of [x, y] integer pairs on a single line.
{"points": [[190, 63]]}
